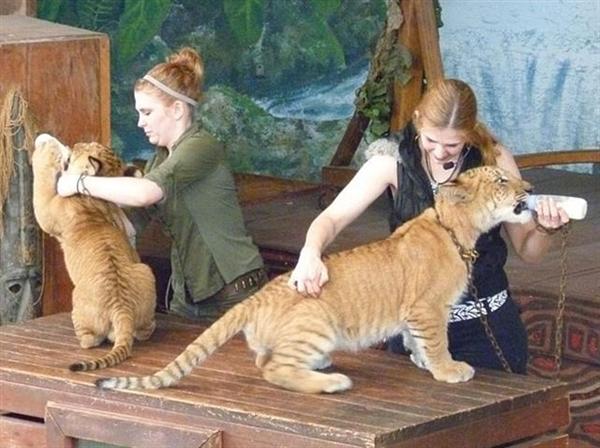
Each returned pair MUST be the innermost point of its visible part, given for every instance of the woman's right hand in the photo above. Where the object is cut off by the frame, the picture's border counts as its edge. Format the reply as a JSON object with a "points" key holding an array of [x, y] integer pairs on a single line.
{"points": [[310, 273]]}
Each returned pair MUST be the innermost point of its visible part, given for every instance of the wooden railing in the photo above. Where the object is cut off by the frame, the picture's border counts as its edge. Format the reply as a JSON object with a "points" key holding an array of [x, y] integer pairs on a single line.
{"points": [[558, 158]]}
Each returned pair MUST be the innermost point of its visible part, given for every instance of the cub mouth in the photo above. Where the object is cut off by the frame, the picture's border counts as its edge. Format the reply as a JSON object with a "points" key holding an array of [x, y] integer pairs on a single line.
{"points": [[521, 205]]}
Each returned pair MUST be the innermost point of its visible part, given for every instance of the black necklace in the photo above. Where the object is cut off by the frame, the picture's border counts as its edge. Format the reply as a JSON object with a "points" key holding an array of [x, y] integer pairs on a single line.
{"points": [[434, 183]]}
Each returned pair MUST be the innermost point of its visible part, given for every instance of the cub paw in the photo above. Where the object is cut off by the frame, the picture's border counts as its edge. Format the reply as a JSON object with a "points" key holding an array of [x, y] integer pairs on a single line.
{"points": [[337, 383], [418, 361], [89, 341], [55, 148], [42, 139], [453, 372]]}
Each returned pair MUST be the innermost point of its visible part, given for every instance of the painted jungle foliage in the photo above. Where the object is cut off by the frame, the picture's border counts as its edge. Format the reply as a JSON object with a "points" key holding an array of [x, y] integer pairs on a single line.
{"points": [[282, 75]]}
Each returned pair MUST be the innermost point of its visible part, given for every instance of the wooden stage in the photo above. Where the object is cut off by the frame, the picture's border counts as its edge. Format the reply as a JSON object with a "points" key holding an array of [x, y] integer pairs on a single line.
{"points": [[393, 404], [225, 402]]}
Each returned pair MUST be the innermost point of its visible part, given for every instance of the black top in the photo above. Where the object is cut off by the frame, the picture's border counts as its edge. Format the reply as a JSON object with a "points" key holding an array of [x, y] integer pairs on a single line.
{"points": [[415, 194]]}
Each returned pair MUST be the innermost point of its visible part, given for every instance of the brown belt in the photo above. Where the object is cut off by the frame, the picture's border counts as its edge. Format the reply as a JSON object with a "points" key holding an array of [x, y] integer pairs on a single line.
{"points": [[249, 280]]}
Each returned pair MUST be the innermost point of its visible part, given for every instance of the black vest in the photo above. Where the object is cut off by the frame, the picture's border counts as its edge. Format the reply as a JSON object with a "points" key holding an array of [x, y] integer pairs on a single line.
{"points": [[415, 194]]}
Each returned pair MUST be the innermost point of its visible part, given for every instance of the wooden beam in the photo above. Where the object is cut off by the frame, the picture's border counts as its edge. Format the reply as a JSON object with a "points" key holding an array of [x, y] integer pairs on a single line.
{"points": [[419, 34], [429, 40], [557, 158], [407, 96], [339, 176], [351, 139]]}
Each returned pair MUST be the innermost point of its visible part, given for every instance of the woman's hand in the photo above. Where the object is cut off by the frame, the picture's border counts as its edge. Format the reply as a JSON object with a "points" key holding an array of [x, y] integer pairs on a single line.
{"points": [[310, 274], [67, 184], [550, 216]]}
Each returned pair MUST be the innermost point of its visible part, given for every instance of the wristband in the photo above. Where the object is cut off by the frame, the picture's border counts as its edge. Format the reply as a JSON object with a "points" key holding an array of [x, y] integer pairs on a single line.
{"points": [[80, 186]]}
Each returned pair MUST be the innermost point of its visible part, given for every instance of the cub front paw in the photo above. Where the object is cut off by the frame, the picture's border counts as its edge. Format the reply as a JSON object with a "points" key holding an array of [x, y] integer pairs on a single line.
{"points": [[43, 139], [453, 372]]}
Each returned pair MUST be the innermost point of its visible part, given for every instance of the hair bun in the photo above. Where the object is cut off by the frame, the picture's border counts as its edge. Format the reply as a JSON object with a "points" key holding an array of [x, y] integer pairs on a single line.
{"points": [[187, 58]]}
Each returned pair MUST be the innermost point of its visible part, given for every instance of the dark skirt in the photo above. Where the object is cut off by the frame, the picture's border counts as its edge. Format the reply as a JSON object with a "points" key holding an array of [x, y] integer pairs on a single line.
{"points": [[468, 341]]}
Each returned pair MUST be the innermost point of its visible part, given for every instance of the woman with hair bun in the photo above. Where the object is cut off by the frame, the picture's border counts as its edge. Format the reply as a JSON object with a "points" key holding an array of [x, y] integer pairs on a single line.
{"points": [[443, 139], [191, 189]]}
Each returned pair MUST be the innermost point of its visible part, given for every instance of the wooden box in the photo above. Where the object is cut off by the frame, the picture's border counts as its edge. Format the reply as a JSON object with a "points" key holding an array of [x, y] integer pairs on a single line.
{"points": [[23, 7], [64, 75]]}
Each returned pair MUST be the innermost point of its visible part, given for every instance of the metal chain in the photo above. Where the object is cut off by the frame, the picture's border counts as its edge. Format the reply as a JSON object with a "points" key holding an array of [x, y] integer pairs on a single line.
{"points": [[560, 309], [486, 324], [469, 256]]}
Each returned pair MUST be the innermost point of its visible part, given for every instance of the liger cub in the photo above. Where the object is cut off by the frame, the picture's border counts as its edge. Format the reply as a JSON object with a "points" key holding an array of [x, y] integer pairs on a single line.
{"points": [[114, 293], [414, 276]]}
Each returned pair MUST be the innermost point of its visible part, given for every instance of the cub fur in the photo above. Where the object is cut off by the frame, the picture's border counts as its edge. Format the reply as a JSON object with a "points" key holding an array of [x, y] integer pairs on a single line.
{"points": [[404, 283], [114, 294]]}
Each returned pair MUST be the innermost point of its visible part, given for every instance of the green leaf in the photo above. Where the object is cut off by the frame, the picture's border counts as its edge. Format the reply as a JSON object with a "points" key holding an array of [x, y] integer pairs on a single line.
{"points": [[140, 22], [325, 8], [97, 14], [245, 19], [379, 128], [49, 9]]}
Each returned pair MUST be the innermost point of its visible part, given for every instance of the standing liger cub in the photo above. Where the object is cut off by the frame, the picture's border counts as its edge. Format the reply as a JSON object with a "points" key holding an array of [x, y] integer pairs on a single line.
{"points": [[413, 278], [114, 294]]}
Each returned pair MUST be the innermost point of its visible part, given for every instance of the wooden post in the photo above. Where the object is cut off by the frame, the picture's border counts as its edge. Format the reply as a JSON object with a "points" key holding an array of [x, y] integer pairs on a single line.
{"points": [[419, 35]]}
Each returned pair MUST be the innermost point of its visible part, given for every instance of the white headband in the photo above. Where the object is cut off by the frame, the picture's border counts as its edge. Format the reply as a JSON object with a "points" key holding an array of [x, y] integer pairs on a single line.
{"points": [[170, 91]]}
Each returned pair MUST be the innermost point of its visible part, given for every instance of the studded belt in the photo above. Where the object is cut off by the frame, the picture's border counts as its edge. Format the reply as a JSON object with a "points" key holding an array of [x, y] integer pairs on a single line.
{"points": [[246, 282]]}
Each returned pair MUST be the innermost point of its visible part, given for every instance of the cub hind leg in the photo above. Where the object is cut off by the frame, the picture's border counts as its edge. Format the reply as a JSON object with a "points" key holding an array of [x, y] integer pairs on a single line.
{"points": [[143, 285], [91, 327], [416, 354], [429, 343], [301, 379], [294, 357], [143, 333]]}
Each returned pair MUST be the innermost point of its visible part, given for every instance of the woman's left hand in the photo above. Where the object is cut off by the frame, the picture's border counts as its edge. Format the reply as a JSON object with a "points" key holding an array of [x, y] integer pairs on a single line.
{"points": [[67, 184], [549, 214]]}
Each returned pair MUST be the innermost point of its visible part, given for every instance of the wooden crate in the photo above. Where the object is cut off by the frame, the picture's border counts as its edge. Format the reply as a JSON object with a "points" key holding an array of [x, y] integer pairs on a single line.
{"points": [[64, 75], [23, 7]]}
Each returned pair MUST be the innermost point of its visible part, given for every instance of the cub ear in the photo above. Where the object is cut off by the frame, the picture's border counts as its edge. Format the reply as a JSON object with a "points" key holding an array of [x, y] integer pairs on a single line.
{"points": [[96, 164], [132, 171]]}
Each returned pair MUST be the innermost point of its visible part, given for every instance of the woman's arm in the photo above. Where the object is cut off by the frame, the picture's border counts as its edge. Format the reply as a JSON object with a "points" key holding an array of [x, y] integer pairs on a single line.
{"points": [[529, 242], [127, 191], [377, 174]]}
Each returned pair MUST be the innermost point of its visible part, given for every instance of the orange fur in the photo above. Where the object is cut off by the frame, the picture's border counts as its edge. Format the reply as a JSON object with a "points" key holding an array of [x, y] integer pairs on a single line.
{"points": [[114, 293], [403, 284]]}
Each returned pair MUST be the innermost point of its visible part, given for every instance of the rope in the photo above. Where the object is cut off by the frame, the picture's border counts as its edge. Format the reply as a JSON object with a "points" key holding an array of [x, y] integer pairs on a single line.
{"points": [[14, 116]]}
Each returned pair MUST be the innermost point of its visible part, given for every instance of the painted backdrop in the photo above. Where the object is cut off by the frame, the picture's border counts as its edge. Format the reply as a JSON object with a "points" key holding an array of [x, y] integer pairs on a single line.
{"points": [[282, 74]]}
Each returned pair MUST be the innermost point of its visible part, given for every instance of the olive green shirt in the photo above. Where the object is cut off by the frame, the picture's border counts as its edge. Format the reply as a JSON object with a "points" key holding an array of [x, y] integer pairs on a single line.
{"points": [[201, 213]]}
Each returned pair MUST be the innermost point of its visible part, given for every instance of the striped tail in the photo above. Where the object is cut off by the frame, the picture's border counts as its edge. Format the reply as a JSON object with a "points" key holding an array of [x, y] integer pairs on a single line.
{"points": [[194, 354], [118, 354]]}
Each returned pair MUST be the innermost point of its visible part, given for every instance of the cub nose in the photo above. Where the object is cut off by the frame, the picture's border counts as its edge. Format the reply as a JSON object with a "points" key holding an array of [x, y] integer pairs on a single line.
{"points": [[527, 186]]}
